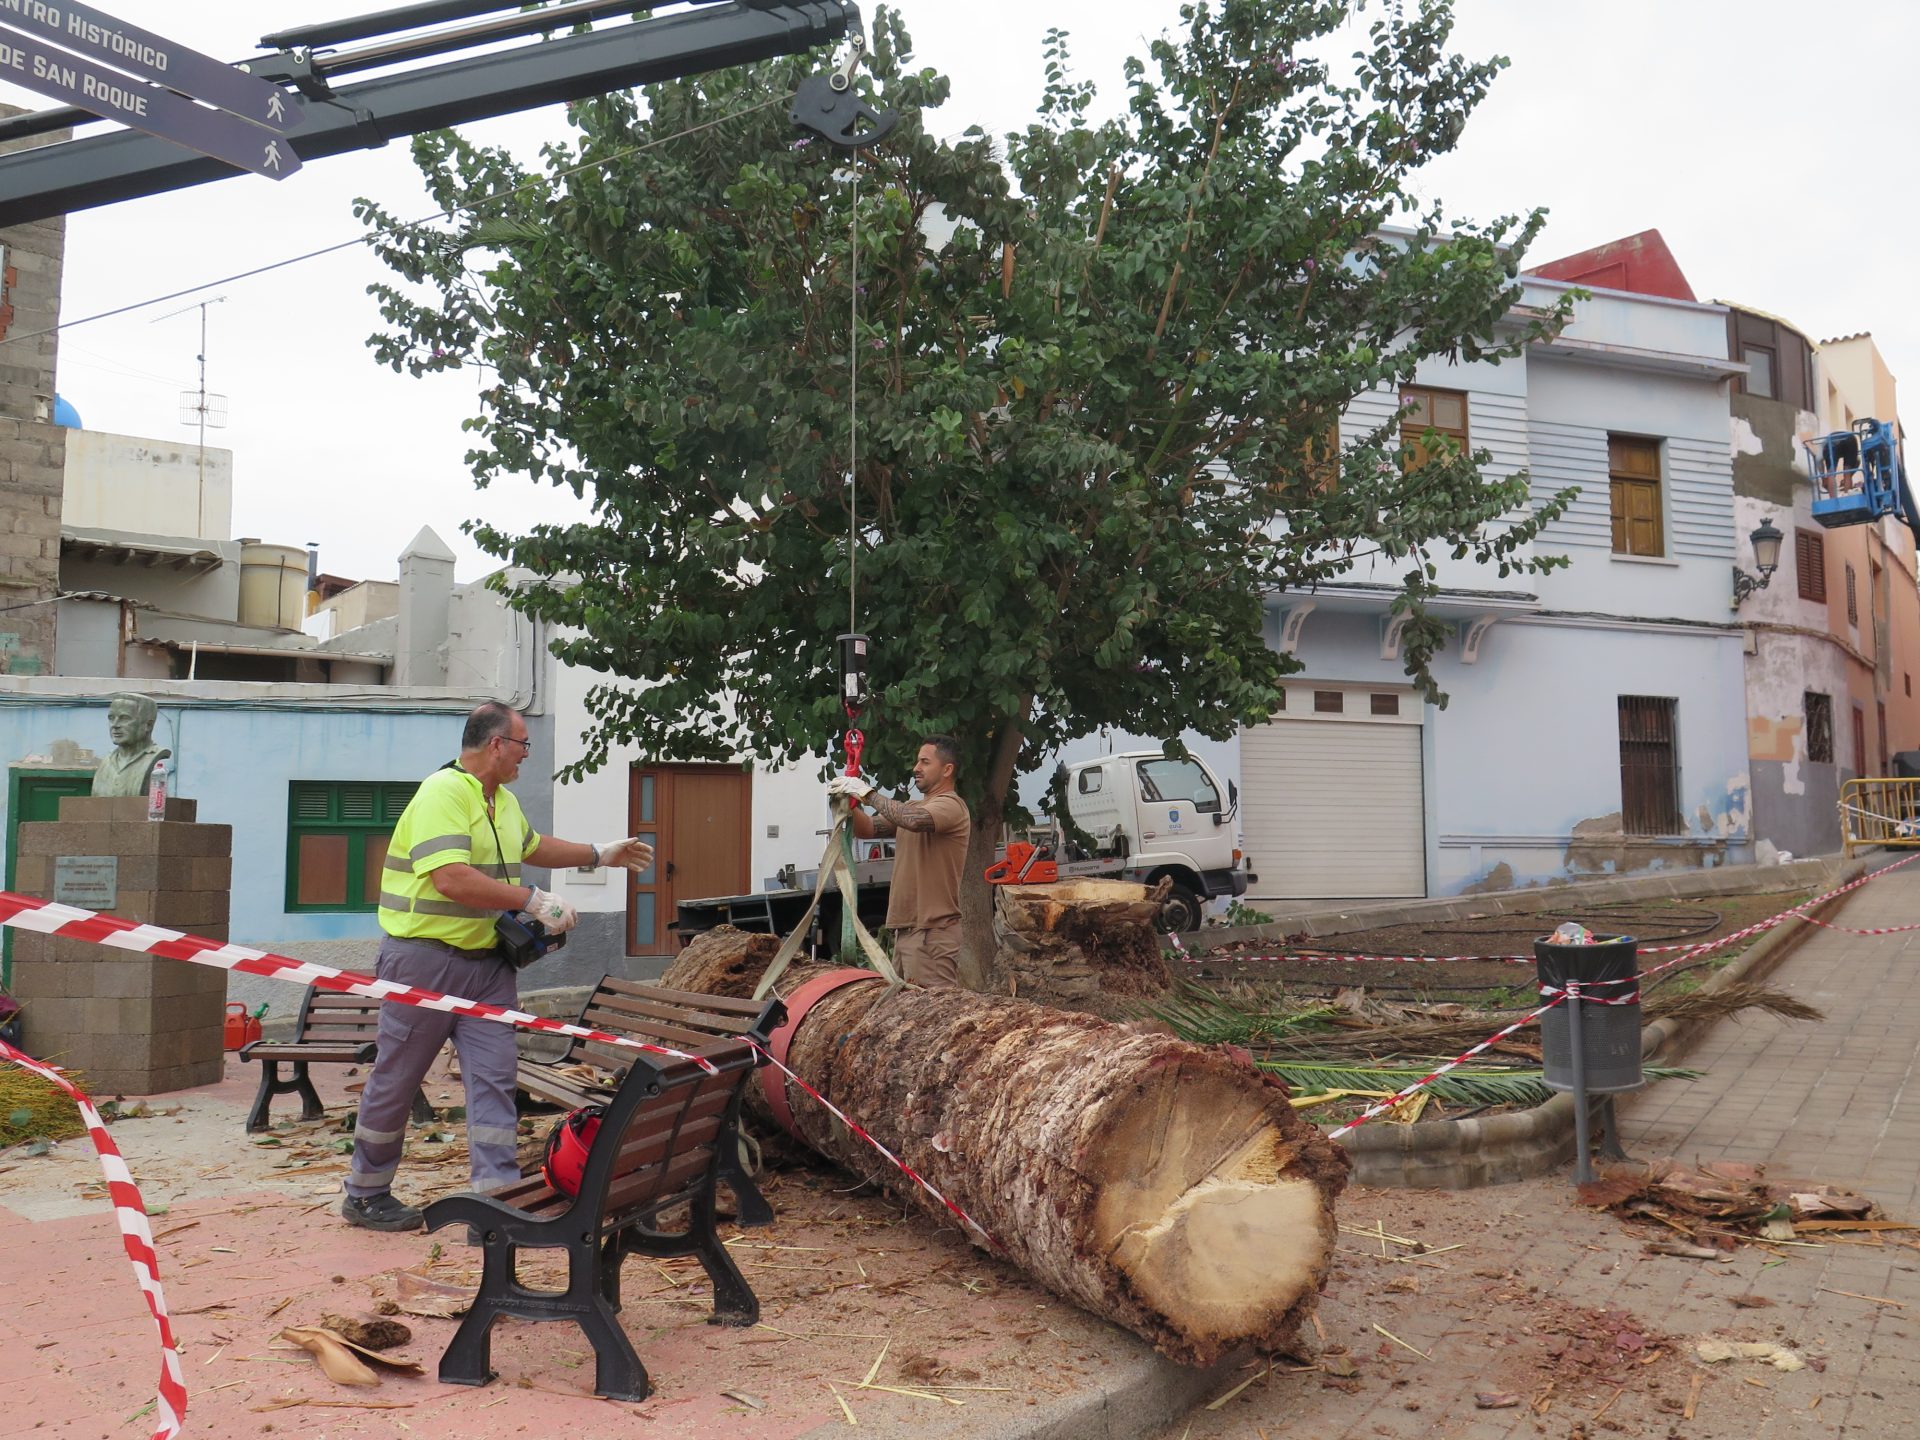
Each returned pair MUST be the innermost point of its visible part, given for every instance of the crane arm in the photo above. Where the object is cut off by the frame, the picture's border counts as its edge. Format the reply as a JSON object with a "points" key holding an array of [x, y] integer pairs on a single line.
{"points": [[81, 173]]}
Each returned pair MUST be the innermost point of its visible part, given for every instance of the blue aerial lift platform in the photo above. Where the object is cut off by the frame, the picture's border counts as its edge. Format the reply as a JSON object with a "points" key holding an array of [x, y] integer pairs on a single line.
{"points": [[1857, 477]]}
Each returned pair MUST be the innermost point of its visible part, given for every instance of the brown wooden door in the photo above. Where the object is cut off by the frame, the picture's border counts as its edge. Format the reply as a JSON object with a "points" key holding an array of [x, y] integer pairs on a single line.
{"points": [[697, 818]]}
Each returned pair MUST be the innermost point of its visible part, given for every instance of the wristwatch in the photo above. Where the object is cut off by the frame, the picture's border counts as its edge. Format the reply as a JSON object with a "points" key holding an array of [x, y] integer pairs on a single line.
{"points": [[595, 849]]}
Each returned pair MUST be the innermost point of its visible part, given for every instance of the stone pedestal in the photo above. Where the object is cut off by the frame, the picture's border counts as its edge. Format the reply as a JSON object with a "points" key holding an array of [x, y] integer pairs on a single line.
{"points": [[131, 1024]]}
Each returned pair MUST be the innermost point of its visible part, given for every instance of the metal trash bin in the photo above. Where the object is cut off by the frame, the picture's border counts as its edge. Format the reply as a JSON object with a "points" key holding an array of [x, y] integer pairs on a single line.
{"points": [[1609, 1033]]}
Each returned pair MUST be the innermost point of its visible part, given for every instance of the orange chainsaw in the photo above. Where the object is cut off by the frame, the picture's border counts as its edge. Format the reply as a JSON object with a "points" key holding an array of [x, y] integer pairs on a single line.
{"points": [[1026, 864]]}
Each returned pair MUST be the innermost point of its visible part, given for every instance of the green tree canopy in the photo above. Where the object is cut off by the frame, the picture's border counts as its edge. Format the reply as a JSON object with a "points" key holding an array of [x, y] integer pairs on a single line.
{"points": [[1101, 365]]}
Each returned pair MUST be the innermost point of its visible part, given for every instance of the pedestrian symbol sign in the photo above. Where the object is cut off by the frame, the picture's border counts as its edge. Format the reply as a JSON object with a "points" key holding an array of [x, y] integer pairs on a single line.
{"points": [[88, 59]]}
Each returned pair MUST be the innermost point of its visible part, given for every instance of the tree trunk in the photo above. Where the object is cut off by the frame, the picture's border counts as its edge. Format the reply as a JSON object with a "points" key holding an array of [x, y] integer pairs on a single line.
{"points": [[1080, 944], [989, 814], [1167, 1187]]}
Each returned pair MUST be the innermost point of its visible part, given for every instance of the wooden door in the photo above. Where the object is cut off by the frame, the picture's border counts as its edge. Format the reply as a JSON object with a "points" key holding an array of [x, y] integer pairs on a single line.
{"points": [[697, 818], [33, 795]]}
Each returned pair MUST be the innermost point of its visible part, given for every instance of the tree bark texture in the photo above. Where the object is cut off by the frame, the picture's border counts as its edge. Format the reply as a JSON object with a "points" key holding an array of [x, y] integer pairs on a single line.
{"points": [[1164, 1186], [1080, 944]]}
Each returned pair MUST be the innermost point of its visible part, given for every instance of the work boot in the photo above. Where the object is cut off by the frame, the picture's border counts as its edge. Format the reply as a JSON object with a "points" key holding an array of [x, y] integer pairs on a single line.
{"points": [[380, 1212]]}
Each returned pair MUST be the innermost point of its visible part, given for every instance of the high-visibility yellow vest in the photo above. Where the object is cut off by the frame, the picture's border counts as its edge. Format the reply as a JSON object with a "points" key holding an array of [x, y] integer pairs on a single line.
{"points": [[445, 823]]}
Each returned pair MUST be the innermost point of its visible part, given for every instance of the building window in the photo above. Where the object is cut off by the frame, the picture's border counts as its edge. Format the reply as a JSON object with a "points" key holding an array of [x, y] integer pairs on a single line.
{"points": [[1810, 564], [1386, 704], [1633, 475], [1859, 741], [1320, 461], [1329, 702], [1853, 599], [1759, 379], [1819, 710], [1880, 715], [1432, 423], [337, 832], [1649, 765]]}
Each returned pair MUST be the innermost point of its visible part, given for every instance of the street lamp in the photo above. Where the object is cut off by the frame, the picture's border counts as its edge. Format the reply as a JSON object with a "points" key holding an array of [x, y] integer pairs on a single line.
{"points": [[1766, 559]]}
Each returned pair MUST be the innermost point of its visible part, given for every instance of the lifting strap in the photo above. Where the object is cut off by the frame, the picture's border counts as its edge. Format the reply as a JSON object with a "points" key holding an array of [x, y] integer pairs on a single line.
{"points": [[833, 866]]}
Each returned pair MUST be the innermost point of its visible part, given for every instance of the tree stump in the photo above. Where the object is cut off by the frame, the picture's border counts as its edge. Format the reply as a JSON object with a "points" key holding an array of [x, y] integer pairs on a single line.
{"points": [[1089, 945], [1167, 1187]]}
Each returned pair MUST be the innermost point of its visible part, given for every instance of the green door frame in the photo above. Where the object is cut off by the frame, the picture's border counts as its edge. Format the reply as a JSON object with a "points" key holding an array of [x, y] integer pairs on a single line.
{"points": [[80, 781]]}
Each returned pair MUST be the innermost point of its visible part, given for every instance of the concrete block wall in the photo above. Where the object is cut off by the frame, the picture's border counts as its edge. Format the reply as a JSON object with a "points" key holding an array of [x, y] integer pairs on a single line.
{"points": [[130, 1024], [33, 453]]}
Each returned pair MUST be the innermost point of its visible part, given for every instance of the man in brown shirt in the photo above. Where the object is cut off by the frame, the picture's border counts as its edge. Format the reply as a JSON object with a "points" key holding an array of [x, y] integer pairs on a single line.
{"points": [[929, 851]]}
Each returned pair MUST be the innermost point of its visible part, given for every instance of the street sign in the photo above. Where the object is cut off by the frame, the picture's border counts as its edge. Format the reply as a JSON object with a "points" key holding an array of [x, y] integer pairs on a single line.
{"points": [[97, 36], [113, 96]]}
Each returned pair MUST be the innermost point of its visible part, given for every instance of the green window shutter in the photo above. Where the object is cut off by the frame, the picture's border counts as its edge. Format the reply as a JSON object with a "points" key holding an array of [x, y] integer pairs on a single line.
{"points": [[397, 798], [312, 804]]}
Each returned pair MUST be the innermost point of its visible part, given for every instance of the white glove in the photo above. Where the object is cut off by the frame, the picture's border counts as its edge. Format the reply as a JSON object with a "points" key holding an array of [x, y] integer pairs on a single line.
{"points": [[553, 912], [851, 786], [632, 853]]}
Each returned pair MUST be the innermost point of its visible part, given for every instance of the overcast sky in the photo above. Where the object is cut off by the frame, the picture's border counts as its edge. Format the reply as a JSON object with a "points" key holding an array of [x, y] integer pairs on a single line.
{"points": [[1772, 144]]}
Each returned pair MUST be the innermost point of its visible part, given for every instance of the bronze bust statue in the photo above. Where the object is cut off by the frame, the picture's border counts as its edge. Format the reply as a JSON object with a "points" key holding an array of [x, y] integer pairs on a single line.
{"points": [[130, 720]]}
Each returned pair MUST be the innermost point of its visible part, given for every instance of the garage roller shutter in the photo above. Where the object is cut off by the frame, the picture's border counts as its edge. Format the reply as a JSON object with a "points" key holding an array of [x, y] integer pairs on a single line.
{"points": [[1334, 810]]}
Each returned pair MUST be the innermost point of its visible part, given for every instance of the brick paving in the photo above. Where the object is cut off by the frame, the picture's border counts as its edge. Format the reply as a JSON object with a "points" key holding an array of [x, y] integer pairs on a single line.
{"points": [[1834, 1101], [1518, 1278]]}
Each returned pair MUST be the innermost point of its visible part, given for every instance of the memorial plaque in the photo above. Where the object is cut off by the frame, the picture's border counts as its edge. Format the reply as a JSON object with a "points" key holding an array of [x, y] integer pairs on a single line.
{"points": [[90, 881]]}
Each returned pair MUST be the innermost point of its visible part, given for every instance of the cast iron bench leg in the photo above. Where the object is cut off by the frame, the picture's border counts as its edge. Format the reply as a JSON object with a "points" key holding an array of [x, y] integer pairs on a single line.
{"points": [[422, 1111], [749, 1205], [734, 1302], [469, 1355], [258, 1117], [310, 1106]]}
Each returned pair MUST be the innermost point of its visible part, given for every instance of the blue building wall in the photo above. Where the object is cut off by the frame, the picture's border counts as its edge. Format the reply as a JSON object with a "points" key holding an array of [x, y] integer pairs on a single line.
{"points": [[238, 759]]}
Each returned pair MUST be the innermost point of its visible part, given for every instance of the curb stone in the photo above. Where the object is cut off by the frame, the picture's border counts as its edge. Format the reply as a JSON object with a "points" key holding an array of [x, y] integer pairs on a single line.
{"points": [[1466, 1154], [1139, 1395]]}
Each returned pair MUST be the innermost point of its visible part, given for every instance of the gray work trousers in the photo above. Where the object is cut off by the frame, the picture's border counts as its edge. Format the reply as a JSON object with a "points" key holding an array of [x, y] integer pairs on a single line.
{"points": [[410, 1037]]}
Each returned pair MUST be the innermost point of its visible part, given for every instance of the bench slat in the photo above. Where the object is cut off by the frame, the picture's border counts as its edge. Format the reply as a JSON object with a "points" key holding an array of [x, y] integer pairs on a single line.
{"points": [[704, 1020], [678, 1037], [300, 1050], [689, 999]]}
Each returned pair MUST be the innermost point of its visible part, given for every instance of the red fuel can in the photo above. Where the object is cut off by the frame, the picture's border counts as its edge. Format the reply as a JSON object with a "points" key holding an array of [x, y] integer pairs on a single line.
{"points": [[241, 1028]]}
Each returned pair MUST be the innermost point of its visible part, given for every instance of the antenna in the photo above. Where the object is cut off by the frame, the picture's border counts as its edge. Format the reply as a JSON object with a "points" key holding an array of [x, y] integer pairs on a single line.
{"points": [[199, 407]]}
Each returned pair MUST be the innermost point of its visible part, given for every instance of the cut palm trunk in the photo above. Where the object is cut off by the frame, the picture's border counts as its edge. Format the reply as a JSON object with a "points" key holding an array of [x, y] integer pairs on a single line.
{"points": [[1165, 1186], [1080, 944]]}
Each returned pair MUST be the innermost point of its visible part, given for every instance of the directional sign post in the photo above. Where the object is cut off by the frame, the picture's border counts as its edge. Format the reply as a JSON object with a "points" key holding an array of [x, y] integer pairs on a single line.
{"points": [[113, 96], [245, 130]]}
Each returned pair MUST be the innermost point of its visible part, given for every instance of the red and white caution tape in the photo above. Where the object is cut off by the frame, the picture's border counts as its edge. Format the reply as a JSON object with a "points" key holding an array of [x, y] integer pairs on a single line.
{"points": [[26, 913], [170, 1401], [1798, 911], [904, 1168]]}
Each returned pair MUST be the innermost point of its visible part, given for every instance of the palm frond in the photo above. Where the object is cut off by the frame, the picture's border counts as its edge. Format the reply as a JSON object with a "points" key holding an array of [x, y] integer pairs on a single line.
{"points": [[1205, 1017], [1457, 1087]]}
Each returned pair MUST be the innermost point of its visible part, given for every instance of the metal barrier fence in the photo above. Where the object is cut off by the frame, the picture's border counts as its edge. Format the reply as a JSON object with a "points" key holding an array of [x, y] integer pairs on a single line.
{"points": [[1880, 811]]}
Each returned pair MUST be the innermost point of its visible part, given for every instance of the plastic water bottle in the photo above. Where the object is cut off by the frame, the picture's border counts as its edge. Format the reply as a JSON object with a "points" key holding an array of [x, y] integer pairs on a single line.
{"points": [[157, 792]]}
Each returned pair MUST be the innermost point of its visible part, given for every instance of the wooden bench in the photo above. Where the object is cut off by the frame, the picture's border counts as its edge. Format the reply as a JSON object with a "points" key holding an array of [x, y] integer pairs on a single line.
{"points": [[331, 1029], [628, 1008], [668, 1138]]}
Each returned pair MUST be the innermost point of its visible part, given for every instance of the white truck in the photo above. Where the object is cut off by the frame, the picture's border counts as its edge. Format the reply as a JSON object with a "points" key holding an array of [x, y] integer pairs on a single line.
{"points": [[1148, 816], [1152, 816]]}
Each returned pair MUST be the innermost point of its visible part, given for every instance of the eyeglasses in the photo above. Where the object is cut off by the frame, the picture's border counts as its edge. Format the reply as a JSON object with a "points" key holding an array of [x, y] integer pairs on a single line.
{"points": [[526, 746]]}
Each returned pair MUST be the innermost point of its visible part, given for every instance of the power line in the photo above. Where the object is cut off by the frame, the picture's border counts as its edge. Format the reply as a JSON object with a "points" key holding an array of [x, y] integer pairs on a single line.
{"points": [[369, 239]]}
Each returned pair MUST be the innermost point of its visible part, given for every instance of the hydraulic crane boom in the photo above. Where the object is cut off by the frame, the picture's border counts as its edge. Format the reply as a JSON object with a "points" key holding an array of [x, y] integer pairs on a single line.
{"points": [[80, 173]]}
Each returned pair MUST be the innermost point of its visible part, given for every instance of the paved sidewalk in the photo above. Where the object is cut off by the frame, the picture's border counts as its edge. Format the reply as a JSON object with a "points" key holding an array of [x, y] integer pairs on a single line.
{"points": [[1538, 1277], [1521, 1289], [1838, 1100]]}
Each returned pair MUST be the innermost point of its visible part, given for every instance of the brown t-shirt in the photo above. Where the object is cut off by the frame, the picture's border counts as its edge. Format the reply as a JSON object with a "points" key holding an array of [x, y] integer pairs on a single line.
{"points": [[926, 866]]}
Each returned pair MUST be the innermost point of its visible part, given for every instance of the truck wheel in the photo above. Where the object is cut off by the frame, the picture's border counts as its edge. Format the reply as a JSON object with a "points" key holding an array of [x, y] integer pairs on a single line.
{"points": [[1181, 912]]}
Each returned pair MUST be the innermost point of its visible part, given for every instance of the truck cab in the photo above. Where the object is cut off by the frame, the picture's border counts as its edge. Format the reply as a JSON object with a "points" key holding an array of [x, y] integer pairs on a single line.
{"points": [[1154, 816]]}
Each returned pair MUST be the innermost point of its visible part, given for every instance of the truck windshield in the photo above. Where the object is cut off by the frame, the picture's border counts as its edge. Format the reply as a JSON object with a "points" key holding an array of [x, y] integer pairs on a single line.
{"points": [[1167, 780]]}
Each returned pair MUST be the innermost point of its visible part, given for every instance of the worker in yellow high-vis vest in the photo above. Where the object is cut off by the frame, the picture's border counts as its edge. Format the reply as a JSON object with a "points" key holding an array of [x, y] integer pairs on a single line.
{"points": [[452, 868]]}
